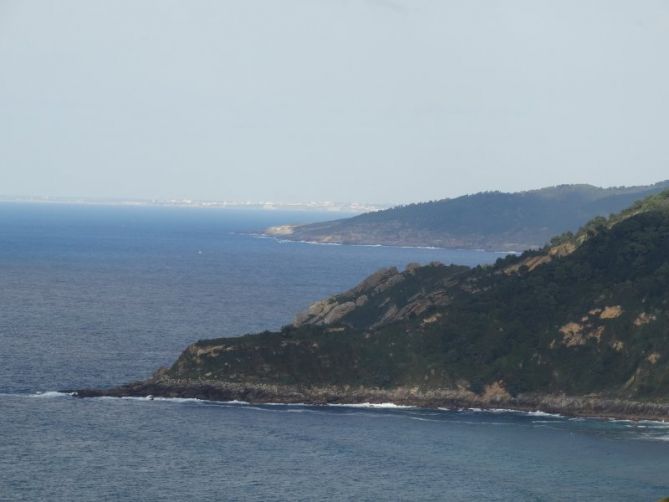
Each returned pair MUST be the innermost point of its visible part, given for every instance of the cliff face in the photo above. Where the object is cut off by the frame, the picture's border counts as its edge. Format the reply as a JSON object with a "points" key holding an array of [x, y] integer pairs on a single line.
{"points": [[494, 221], [587, 317]]}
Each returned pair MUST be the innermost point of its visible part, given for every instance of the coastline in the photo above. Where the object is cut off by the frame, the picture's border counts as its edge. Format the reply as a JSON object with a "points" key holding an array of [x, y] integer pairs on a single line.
{"points": [[572, 406], [288, 240]]}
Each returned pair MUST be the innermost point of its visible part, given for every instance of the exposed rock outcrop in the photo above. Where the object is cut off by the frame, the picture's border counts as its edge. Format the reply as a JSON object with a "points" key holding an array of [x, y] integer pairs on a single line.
{"points": [[376, 298]]}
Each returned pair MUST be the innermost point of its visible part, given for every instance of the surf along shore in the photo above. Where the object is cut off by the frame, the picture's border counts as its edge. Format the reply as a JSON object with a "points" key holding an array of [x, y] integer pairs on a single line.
{"points": [[576, 406]]}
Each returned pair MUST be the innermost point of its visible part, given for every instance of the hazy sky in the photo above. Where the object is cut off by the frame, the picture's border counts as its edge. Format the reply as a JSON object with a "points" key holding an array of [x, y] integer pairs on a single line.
{"points": [[368, 100]]}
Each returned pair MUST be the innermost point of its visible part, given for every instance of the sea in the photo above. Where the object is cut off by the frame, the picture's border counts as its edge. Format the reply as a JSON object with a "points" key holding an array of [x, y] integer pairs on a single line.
{"points": [[95, 296]]}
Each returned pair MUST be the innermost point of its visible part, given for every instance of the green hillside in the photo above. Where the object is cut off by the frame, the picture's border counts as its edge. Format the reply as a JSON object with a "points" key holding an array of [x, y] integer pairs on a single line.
{"points": [[489, 220]]}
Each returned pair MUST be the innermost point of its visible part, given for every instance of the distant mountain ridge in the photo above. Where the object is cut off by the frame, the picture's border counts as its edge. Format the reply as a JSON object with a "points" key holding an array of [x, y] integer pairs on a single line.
{"points": [[494, 221]]}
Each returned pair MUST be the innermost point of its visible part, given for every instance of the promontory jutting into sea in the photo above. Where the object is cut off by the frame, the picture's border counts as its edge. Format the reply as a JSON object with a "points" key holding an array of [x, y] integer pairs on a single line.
{"points": [[576, 327]]}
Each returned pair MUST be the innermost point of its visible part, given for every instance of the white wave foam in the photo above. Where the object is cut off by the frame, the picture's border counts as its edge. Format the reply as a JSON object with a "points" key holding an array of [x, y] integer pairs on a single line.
{"points": [[621, 420], [286, 404], [536, 413], [182, 400], [51, 393], [655, 423], [388, 406], [539, 413], [165, 399]]}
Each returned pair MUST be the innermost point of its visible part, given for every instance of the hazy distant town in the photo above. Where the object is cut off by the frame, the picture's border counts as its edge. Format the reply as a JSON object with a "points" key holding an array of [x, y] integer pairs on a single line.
{"points": [[330, 206]]}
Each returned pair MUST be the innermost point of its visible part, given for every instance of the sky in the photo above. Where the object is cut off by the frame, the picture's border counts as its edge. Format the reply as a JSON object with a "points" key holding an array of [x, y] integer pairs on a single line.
{"points": [[380, 101]]}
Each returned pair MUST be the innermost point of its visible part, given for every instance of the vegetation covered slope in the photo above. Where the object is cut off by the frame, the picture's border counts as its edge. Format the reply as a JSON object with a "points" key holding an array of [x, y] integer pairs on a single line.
{"points": [[490, 220], [586, 316]]}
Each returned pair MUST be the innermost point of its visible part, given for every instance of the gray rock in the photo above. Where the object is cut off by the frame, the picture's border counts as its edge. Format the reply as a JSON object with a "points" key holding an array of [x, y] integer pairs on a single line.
{"points": [[338, 312]]}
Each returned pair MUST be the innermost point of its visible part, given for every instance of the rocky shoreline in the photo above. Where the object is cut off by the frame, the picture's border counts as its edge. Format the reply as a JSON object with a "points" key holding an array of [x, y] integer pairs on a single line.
{"points": [[577, 406]]}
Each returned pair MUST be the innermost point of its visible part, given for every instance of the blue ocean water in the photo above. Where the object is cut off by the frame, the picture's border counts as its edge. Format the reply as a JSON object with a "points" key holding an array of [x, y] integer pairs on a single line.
{"points": [[96, 296]]}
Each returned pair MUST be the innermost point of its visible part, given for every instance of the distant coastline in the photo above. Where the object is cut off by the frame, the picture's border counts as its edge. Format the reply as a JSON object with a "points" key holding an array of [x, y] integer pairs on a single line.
{"points": [[346, 208], [493, 221]]}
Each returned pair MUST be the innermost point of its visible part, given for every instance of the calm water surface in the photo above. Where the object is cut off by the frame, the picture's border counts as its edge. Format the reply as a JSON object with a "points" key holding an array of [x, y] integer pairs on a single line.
{"points": [[95, 296]]}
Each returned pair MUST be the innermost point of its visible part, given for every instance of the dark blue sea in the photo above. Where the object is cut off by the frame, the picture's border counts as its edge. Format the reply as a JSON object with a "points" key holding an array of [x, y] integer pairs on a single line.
{"points": [[96, 296]]}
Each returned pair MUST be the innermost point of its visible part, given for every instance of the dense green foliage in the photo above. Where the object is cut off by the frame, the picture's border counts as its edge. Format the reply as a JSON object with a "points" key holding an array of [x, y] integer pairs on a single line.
{"points": [[595, 320], [490, 220]]}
